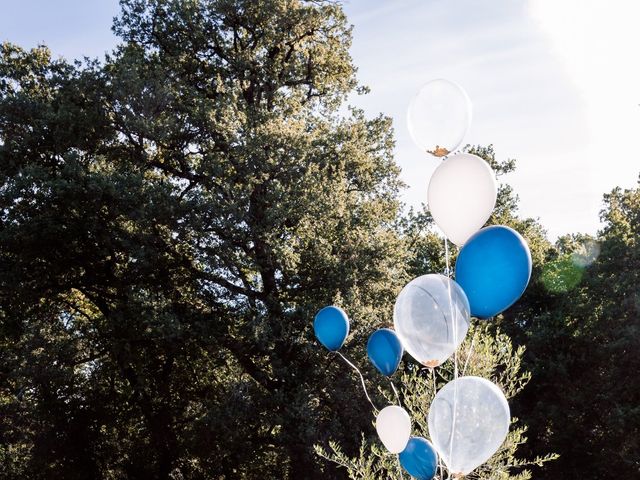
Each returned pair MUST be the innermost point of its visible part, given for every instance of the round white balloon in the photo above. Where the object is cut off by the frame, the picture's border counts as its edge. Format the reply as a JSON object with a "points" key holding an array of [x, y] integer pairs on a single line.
{"points": [[438, 117], [468, 421], [461, 196], [431, 318], [394, 428]]}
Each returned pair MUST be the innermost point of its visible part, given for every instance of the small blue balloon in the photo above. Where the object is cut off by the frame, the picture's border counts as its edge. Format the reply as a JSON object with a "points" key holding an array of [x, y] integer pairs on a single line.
{"points": [[419, 459], [385, 351], [493, 268], [331, 327]]}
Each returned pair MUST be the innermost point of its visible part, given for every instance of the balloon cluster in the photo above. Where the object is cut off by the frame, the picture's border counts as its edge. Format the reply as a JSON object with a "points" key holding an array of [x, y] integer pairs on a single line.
{"points": [[469, 417]]}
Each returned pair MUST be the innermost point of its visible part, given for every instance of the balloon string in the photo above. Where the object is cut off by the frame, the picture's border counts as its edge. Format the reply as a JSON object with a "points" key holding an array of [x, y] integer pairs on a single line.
{"points": [[466, 362], [435, 390], [364, 387], [451, 315], [400, 467], [447, 272], [433, 377], [455, 352], [393, 387]]}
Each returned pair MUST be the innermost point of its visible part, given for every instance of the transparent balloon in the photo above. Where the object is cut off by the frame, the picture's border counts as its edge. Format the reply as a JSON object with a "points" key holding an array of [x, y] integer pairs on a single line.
{"points": [[438, 117], [461, 195], [393, 425], [468, 421], [431, 318]]}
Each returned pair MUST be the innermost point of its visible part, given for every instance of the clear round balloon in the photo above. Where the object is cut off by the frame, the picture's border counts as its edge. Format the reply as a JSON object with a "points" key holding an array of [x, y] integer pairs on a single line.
{"points": [[431, 318], [439, 117], [468, 422]]}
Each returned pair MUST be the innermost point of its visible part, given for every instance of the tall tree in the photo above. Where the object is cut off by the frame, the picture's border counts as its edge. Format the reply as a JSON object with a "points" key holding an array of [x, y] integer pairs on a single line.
{"points": [[171, 220], [581, 326]]}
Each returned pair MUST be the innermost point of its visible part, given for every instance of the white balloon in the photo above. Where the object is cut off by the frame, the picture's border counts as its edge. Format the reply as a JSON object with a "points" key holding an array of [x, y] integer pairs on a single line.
{"points": [[461, 195], [394, 428], [438, 117], [431, 318], [468, 421]]}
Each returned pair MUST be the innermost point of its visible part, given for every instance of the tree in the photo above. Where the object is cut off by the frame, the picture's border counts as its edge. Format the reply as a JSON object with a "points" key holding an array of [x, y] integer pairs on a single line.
{"points": [[484, 353], [580, 326], [172, 218]]}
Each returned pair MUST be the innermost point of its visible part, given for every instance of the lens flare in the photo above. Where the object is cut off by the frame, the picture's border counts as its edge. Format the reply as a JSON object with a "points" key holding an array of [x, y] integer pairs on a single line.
{"points": [[561, 275], [586, 254]]}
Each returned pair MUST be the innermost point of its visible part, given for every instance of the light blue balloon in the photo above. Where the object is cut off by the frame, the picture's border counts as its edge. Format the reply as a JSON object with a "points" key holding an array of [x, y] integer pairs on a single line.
{"points": [[331, 327], [385, 351], [493, 268], [419, 458]]}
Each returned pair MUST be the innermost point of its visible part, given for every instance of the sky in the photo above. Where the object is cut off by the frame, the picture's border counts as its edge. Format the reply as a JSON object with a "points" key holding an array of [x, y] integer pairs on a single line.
{"points": [[554, 84]]}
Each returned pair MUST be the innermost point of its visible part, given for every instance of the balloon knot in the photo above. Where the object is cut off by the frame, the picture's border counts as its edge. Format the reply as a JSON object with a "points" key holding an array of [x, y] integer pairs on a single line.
{"points": [[431, 363], [439, 151]]}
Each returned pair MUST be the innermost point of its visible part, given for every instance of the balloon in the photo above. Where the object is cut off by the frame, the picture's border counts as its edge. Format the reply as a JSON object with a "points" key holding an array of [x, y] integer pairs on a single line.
{"points": [[461, 196], [331, 327], [419, 459], [385, 351], [438, 117], [493, 268], [394, 428], [468, 421], [431, 317]]}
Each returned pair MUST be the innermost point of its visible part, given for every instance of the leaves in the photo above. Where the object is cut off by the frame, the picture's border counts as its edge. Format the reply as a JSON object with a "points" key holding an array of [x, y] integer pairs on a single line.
{"points": [[482, 354], [171, 219]]}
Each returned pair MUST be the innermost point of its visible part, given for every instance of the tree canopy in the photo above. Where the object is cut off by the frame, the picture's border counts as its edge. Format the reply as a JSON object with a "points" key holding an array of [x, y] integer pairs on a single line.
{"points": [[580, 323], [171, 218]]}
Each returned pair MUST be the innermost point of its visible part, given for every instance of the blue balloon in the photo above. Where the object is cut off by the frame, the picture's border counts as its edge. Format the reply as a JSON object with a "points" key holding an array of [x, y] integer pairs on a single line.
{"points": [[385, 351], [419, 459], [493, 268], [331, 327]]}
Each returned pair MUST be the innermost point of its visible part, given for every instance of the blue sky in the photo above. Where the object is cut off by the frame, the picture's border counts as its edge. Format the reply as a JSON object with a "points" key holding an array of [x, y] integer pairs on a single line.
{"points": [[555, 84], [71, 28]]}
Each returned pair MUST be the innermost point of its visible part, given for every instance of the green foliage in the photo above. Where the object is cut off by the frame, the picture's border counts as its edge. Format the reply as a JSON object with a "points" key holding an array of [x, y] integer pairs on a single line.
{"points": [[484, 353], [583, 400], [171, 219], [561, 275]]}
